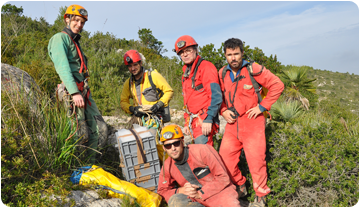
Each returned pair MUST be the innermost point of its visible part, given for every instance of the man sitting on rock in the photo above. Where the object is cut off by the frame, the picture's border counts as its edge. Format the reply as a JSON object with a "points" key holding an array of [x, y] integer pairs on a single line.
{"points": [[193, 176]]}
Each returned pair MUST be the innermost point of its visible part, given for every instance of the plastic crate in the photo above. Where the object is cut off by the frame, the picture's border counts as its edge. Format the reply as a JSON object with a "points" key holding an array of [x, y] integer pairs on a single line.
{"points": [[131, 160], [147, 182], [128, 147], [141, 170]]}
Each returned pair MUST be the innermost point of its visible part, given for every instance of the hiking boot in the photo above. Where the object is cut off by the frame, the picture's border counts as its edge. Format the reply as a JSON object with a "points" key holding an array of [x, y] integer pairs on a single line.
{"points": [[259, 202], [241, 190]]}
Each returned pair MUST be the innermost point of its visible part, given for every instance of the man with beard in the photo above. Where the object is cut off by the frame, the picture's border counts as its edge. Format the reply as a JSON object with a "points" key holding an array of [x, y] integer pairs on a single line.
{"points": [[245, 128], [145, 87], [201, 92], [193, 176]]}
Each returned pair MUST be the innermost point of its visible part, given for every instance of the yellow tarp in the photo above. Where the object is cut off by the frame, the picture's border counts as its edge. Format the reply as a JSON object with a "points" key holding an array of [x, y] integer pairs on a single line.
{"points": [[99, 176]]}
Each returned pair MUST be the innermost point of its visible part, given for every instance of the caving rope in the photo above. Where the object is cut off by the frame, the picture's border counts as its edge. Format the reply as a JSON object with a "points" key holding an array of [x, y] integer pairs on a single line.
{"points": [[71, 112]]}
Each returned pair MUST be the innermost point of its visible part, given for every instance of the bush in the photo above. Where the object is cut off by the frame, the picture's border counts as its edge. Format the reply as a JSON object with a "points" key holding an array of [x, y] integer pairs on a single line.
{"points": [[313, 163]]}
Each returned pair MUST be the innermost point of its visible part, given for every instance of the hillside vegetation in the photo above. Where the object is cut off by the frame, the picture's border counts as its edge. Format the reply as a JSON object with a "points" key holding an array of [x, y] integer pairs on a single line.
{"points": [[342, 88], [312, 140]]}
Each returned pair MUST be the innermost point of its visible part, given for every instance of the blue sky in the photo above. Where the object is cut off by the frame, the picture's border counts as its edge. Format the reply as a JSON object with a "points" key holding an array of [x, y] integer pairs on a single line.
{"points": [[321, 34]]}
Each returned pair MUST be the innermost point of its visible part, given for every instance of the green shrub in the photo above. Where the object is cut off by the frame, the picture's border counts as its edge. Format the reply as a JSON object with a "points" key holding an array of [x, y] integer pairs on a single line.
{"points": [[313, 163]]}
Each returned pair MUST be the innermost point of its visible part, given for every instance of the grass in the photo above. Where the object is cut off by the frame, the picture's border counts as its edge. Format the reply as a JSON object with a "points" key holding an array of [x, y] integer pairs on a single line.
{"points": [[37, 143]]}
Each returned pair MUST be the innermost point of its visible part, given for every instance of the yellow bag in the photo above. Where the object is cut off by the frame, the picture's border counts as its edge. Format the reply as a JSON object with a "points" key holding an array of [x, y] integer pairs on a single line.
{"points": [[117, 188]]}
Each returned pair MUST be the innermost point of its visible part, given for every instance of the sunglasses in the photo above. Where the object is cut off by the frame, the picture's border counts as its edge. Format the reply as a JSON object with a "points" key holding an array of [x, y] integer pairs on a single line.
{"points": [[176, 144]]}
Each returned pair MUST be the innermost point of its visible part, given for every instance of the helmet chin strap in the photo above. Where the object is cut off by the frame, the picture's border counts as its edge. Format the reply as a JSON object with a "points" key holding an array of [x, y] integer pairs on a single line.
{"points": [[68, 25]]}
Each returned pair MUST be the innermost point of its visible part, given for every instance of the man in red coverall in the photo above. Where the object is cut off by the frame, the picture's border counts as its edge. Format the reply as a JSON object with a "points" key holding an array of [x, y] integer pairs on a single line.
{"points": [[245, 128], [201, 92], [193, 176]]}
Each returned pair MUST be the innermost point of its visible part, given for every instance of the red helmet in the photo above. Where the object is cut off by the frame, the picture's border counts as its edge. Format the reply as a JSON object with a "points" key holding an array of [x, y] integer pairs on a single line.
{"points": [[183, 42], [131, 56]]}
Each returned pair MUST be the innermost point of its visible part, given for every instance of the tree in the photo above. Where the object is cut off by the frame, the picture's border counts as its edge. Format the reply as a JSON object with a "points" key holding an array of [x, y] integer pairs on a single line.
{"points": [[217, 57], [11, 9], [150, 41]]}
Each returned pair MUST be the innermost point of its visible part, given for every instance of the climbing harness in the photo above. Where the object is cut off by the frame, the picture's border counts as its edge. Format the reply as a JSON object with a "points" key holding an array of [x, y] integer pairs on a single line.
{"points": [[189, 124], [83, 86], [192, 116]]}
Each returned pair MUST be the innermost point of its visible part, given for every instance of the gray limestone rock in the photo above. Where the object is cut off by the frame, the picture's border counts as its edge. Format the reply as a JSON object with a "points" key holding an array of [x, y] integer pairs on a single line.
{"points": [[84, 197], [113, 202], [87, 198], [13, 78], [18, 82]]}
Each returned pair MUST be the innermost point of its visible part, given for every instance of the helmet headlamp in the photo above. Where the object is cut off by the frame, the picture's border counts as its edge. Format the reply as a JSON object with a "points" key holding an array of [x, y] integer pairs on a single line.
{"points": [[168, 135], [181, 44], [83, 12]]}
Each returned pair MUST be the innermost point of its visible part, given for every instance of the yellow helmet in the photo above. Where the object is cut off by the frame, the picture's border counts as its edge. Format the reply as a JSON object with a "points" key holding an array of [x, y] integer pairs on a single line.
{"points": [[76, 10], [172, 131]]}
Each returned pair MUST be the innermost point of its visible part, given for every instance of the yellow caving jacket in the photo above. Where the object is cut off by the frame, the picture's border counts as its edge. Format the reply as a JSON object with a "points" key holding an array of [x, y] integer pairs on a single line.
{"points": [[147, 93]]}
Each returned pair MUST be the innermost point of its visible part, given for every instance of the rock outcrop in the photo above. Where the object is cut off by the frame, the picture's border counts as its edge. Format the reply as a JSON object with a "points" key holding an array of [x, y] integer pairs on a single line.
{"points": [[87, 198], [13, 78]]}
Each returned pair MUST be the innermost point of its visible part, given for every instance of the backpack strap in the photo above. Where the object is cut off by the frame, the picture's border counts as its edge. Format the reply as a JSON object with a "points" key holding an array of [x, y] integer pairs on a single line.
{"points": [[223, 74], [255, 84], [200, 86], [159, 92], [130, 81]]}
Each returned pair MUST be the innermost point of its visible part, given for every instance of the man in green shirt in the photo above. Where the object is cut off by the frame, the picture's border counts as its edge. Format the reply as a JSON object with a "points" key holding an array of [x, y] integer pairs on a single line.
{"points": [[71, 65]]}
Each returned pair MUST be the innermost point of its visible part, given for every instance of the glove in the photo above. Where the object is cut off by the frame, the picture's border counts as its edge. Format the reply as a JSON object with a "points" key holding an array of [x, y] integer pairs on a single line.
{"points": [[135, 110], [156, 107]]}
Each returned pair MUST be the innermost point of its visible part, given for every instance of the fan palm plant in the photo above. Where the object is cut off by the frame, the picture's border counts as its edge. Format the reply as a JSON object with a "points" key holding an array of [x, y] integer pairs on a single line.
{"points": [[285, 111], [295, 80]]}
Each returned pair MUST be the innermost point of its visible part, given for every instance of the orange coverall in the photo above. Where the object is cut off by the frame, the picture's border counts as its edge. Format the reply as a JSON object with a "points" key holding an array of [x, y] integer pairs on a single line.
{"points": [[205, 101], [245, 133], [217, 190]]}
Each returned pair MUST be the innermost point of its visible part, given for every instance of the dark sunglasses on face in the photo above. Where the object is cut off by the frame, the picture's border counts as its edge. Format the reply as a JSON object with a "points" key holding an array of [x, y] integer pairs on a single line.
{"points": [[176, 144]]}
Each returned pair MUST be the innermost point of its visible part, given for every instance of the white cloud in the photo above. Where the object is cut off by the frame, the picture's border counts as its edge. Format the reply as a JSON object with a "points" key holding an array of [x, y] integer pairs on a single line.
{"points": [[301, 32], [314, 37]]}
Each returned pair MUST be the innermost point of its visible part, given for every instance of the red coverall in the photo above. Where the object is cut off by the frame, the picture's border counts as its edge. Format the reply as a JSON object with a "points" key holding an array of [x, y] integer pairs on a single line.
{"points": [[247, 133], [217, 189], [205, 102]]}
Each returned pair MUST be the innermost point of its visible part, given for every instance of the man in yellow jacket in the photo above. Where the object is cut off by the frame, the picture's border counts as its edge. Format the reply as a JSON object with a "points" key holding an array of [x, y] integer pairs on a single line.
{"points": [[145, 87]]}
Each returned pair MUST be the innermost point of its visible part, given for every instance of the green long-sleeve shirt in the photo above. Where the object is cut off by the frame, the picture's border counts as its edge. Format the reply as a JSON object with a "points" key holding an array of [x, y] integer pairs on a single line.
{"points": [[62, 52]]}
